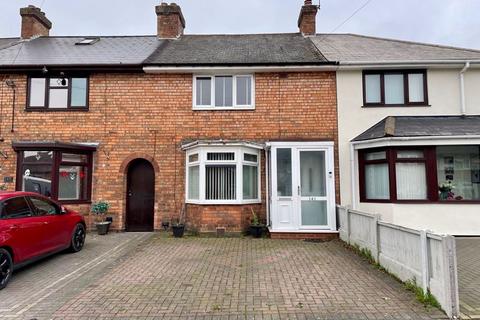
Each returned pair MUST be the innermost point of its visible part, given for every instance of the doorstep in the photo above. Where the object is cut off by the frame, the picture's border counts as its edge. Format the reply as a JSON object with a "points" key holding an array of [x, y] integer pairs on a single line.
{"points": [[325, 235]]}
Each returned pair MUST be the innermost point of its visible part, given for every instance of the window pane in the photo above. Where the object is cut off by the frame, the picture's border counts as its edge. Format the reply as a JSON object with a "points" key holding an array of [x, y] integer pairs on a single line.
{"points": [[415, 87], [72, 183], [380, 155], [37, 156], [220, 183], [37, 178], [458, 169], [57, 82], [221, 156], [58, 98], [193, 183], [372, 88], [16, 208], [193, 157], [244, 90], [204, 91], [37, 92], [284, 172], [43, 207], [79, 92], [409, 154], [377, 182], [223, 91], [250, 157], [79, 158], [312, 174], [250, 182], [411, 181], [394, 92]]}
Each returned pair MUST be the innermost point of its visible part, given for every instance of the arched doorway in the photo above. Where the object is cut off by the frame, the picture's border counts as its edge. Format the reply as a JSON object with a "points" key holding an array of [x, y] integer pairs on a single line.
{"points": [[140, 196]]}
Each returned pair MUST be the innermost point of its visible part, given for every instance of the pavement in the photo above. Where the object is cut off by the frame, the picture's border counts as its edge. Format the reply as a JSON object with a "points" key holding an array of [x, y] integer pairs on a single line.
{"points": [[468, 265], [154, 276]]}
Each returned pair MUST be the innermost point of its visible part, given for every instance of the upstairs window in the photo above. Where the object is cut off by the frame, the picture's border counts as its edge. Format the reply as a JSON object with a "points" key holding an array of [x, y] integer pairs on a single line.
{"points": [[395, 88], [223, 92], [57, 93]]}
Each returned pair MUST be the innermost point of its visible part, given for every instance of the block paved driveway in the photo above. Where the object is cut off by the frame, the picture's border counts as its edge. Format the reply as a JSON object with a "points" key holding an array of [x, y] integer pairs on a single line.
{"points": [[150, 276], [468, 264]]}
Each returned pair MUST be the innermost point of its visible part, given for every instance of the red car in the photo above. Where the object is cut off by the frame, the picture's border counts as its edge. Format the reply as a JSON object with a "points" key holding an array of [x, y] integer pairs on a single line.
{"points": [[32, 227]]}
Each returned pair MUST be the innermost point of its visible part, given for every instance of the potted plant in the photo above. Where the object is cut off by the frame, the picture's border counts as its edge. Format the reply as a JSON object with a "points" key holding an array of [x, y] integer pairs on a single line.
{"points": [[256, 228], [446, 190], [178, 227], [100, 209]]}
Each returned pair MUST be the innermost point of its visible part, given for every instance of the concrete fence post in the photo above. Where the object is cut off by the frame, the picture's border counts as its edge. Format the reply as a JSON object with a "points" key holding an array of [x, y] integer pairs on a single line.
{"points": [[451, 276], [376, 237], [424, 260], [347, 223]]}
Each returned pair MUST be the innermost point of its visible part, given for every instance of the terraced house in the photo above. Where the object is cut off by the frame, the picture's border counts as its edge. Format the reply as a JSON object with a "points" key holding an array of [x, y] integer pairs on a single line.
{"points": [[220, 125]]}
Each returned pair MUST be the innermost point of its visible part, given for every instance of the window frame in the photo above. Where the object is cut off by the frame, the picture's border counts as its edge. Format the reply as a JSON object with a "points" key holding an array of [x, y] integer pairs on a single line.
{"points": [[239, 162], [429, 159], [235, 105], [48, 87], [406, 94], [56, 164]]}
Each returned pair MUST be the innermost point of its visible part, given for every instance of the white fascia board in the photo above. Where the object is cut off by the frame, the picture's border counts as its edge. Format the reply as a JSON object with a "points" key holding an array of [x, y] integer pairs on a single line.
{"points": [[417, 141], [238, 69]]}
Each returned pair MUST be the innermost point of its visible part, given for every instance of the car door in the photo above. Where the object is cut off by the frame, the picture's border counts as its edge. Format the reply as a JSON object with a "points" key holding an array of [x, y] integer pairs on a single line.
{"points": [[25, 230], [56, 233]]}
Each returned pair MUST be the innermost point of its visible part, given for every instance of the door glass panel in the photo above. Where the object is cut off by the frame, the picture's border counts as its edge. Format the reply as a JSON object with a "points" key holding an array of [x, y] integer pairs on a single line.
{"points": [[312, 174], [284, 172], [314, 213]]}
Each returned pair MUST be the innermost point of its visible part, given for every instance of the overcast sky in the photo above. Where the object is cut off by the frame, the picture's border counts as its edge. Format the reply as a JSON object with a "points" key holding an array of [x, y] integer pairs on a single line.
{"points": [[450, 22]]}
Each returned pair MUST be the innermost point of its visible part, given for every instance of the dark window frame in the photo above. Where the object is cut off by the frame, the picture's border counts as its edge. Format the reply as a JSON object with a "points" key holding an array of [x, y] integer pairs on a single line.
{"points": [[406, 94], [58, 150], [48, 87]]}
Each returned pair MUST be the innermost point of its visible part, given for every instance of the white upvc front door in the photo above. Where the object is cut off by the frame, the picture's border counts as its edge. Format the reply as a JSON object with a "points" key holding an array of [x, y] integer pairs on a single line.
{"points": [[302, 186]]}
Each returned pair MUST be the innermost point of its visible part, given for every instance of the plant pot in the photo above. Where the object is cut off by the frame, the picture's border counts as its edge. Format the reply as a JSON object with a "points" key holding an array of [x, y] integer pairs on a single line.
{"points": [[178, 230], [256, 231], [102, 228]]}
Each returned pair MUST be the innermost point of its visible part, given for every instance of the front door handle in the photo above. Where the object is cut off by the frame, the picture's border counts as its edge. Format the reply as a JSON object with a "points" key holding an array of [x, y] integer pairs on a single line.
{"points": [[299, 190]]}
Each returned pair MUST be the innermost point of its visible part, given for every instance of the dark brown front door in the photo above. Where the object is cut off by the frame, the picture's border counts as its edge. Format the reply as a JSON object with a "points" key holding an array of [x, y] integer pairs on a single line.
{"points": [[140, 196]]}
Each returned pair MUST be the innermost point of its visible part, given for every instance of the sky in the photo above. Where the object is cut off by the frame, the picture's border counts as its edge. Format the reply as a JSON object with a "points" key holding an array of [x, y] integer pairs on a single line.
{"points": [[448, 22]]}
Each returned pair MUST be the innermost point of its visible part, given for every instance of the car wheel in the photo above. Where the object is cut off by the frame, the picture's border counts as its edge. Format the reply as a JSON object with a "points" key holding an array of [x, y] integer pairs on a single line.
{"points": [[6, 268], [78, 238]]}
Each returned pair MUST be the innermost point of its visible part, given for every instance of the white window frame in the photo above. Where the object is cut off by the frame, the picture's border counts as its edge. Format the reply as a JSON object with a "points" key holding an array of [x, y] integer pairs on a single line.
{"points": [[212, 106], [202, 162]]}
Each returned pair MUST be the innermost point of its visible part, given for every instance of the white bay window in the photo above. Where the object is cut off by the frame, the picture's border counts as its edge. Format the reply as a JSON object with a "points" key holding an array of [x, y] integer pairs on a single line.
{"points": [[223, 175], [223, 92]]}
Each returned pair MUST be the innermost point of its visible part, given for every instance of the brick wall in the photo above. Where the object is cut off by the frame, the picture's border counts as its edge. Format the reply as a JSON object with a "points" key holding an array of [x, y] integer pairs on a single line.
{"points": [[141, 115]]}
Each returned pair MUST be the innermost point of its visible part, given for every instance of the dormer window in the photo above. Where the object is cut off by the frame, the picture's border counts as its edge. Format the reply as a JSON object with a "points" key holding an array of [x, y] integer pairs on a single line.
{"points": [[57, 93], [224, 92], [395, 88]]}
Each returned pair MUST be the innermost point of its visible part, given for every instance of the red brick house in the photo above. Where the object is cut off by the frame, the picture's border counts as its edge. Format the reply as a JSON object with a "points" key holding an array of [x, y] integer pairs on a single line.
{"points": [[218, 124]]}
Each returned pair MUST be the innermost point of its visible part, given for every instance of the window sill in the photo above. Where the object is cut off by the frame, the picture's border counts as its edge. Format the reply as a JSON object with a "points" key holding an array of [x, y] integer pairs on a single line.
{"points": [[56, 110], [223, 203], [397, 106], [245, 108]]}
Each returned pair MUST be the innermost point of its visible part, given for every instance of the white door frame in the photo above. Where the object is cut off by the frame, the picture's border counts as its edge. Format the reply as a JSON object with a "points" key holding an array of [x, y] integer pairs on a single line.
{"points": [[285, 211]]}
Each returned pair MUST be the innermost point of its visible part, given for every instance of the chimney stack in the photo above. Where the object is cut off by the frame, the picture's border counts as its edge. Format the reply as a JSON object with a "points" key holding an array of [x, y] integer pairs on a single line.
{"points": [[307, 18], [34, 23], [170, 21]]}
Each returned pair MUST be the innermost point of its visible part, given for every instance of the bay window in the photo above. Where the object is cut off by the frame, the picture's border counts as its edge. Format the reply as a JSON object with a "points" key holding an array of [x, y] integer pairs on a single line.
{"points": [[223, 92], [57, 93], [223, 175], [395, 88], [61, 173], [420, 174]]}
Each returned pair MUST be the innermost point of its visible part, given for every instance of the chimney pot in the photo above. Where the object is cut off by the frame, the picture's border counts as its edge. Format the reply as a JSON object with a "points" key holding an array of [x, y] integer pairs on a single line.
{"points": [[170, 21], [34, 23], [307, 19]]}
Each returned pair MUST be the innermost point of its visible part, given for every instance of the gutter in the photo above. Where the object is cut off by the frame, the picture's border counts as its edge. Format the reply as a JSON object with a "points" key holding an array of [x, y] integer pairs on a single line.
{"points": [[352, 65], [463, 103], [237, 69]]}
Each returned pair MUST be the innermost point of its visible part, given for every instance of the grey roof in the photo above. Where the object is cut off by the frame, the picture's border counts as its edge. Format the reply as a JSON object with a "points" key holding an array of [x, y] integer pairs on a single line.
{"points": [[6, 42], [130, 50], [418, 126], [250, 49], [357, 48]]}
